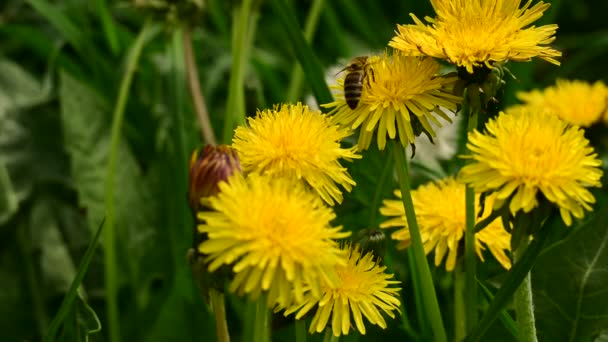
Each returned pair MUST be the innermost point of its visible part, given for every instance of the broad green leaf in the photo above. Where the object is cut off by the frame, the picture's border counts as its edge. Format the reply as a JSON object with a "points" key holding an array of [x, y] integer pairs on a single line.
{"points": [[86, 138], [18, 89], [569, 283], [30, 152]]}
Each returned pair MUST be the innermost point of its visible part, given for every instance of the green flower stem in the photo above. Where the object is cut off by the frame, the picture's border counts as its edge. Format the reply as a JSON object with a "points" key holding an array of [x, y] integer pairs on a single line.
{"points": [[460, 328], [147, 32], [297, 75], [424, 326], [218, 305], [514, 279], [300, 330], [524, 308], [429, 297], [470, 259], [261, 329], [198, 100], [235, 107]]}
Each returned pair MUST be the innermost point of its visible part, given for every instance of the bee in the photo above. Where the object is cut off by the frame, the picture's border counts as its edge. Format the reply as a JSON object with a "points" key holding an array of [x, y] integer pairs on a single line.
{"points": [[358, 71]]}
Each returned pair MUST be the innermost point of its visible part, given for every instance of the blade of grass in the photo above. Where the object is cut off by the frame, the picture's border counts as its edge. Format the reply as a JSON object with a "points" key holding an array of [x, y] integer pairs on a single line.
{"points": [[309, 61], [109, 28], [38, 45], [507, 321], [66, 305], [333, 28], [297, 75], [352, 10], [59, 21], [148, 31]]}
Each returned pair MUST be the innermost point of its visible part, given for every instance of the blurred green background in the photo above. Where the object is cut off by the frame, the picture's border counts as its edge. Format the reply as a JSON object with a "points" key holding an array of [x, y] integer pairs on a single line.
{"points": [[61, 66]]}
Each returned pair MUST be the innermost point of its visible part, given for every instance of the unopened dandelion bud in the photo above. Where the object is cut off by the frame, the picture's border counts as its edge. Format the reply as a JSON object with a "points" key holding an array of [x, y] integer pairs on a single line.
{"points": [[208, 167]]}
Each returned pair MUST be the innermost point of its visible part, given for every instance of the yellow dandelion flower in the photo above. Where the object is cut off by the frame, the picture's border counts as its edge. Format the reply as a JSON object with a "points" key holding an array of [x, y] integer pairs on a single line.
{"points": [[441, 214], [275, 234], [401, 96], [296, 142], [363, 290], [575, 102], [474, 33], [527, 151]]}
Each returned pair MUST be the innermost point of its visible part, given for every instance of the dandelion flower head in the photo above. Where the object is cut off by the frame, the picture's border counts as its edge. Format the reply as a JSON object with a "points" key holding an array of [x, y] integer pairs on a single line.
{"points": [[276, 235], [576, 102], [441, 214], [296, 142], [364, 290], [401, 95], [526, 152], [474, 33]]}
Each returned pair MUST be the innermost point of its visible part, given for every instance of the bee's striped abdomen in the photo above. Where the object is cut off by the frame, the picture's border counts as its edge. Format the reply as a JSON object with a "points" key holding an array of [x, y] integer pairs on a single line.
{"points": [[353, 87]]}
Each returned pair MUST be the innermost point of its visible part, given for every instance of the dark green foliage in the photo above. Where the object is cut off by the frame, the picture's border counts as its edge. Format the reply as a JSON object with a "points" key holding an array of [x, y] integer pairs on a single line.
{"points": [[570, 280], [61, 64]]}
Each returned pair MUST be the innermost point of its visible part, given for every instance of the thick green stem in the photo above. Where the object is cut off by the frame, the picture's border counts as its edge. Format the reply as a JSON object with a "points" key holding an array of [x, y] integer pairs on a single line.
{"points": [[470, 259], [235, 107], [524, 308], [431, 305], [300, 330], [514, 279], [423, 323], [261, 329], [218, 305], [297, 75], [470, 262], [459, 304], [110, 263]]}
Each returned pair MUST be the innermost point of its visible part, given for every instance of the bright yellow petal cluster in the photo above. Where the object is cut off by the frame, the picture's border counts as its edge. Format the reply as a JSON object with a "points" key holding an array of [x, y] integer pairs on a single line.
{"points": [[401, 95], [295, 142], [275, 234], [441, 214], [575, 102], [363, 290], [474, 33], [526, 151]]}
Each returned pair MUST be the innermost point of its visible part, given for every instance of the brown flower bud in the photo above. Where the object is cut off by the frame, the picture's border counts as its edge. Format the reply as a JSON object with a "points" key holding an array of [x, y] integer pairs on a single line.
{"points": [[208, 167]]}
